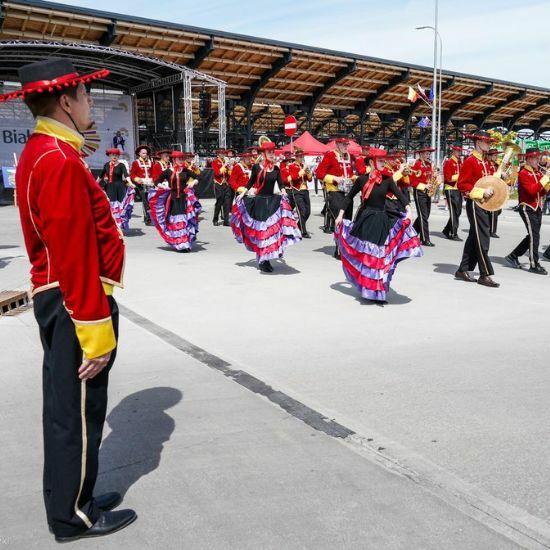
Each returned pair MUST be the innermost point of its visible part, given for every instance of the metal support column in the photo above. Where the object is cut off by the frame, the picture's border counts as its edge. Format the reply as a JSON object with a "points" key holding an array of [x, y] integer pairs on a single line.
{"points": [[188, 113], [222, 121]]}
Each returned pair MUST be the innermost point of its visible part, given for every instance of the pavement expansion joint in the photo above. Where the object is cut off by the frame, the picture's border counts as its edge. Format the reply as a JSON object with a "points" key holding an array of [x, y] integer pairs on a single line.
{"points": [[514, 523]]}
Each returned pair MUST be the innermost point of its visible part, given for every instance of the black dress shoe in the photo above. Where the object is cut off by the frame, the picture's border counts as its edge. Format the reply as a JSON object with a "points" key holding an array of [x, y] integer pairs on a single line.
{"points": [[268, 266], [456, 238], [215, 223], [263, 267], [108, 522], [447, 235], [513, 261], [494, 236], [108, 501], [336, 254], [487, 281], [306, 235], [427, 243], [464, 276], [226, 224], [538, 269]]}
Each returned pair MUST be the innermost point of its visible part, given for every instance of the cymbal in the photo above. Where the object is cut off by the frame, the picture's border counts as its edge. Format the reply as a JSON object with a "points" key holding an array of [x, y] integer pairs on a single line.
{"points": [[500, 196]]}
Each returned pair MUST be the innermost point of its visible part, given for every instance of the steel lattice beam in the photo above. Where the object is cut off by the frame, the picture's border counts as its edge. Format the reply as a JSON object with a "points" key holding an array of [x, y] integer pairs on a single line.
{"points": [[510, 123], [448, 115], [480, 120], [201, 54]]}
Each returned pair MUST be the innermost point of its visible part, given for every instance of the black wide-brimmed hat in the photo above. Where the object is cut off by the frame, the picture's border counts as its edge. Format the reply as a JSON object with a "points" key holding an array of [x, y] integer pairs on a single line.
{"points": [[532, 152], [140, 147], [50, 75], [480, 135]]}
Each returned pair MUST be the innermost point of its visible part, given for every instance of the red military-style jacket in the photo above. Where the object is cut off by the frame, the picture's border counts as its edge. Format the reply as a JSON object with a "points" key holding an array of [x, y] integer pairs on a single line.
{"points": [[140, 170], [421, 174], [297, 176], [240, 175], [451, 170], [158, 168], [472, 169], [71, 237], [333, 164], [532, 187], [220, 171]]}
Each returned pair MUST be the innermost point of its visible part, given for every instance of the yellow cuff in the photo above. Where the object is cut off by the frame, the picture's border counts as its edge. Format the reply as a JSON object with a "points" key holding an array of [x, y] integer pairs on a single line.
{"points": [[455, 178], [138, 179], [421, 186], [289, 179], [96, 339], [397, 176], [301, 173], [477, 193], [369, 168], [354, 177], [545, 181], [406, 179], [329, 180], [107, 288], [241, 189]]}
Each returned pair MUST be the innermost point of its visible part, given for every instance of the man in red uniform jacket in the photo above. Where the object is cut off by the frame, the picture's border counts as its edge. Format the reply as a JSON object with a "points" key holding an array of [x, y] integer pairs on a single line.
{"points": [[451, 170], [240, 173], [492, 158], [141, 175], [77, 257], [222, 191], [533, 186], [476, 247], [420, 179], [297, 179], [335, 170], [162, 164]]}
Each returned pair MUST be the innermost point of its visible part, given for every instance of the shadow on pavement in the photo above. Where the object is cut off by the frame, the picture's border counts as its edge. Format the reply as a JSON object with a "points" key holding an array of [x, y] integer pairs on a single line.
{"points": [[280, 267], [197, 247], [502, 261], [6, 260], [328, 250], [449, 269], [393, 298], [140, 427], [136, 232]]}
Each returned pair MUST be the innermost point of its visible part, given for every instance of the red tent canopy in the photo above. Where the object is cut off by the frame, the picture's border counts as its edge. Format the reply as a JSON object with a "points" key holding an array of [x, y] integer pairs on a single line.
{"points": [[308, 143]]}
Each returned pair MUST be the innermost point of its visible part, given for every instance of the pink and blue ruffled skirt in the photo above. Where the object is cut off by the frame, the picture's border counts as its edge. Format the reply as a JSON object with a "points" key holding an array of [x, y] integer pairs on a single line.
{"points": [[370, 267], [267, 238], [178, 229], [122, 210]]}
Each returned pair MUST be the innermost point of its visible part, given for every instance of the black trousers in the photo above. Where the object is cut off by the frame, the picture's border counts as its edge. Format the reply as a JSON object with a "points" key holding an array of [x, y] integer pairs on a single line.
{"points": [[142, 191], [224, 201], [533, 221], [423, 208], [493, 218], [73, 417], [300, 201], [454, 201], [335, 203], [476, 247]]}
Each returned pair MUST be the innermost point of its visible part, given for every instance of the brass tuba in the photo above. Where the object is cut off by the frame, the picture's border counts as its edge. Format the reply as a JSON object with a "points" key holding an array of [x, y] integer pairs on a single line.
{"points": [[503, 178]]}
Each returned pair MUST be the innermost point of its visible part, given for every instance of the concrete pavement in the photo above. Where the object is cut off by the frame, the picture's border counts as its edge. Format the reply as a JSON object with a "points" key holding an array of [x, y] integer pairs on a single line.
{"points": [[440, 381]]}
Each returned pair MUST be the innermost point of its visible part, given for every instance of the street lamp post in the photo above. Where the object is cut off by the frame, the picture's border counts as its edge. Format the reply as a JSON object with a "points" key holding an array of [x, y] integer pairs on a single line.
{"points": [[436, 87]]}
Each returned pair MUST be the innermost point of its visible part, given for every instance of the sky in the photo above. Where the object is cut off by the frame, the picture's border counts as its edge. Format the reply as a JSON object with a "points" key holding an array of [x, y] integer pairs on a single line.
{"points": [[503, 39]]}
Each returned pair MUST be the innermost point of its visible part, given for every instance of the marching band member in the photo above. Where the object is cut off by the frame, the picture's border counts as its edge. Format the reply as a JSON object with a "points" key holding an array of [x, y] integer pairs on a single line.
{"points": [[240, 174], [421, 177], [361, 161], [162, 164], [175, 208], [140, 174], [492, 158], [118, 186], [336, 172], [298, 193], [451, 170], [533, 186], [221, 188], [77, 255], [373, 244], [401, 173], [476, 247], [262, 220]]}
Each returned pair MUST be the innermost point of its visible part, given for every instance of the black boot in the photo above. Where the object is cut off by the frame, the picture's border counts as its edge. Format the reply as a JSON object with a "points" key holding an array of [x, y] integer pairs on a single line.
{"points": [[336, 253]]}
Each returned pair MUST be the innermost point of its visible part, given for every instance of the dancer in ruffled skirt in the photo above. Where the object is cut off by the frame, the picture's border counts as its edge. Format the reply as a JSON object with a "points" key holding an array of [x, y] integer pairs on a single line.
{"points": [[116, 182], [373, 244], [174, 206], [261, 219]]}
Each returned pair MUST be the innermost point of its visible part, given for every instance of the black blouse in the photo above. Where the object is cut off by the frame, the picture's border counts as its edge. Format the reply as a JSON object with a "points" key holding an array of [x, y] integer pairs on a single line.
{"points": [[120, 173], [166, 175], [271, 178], [378, 194]]}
